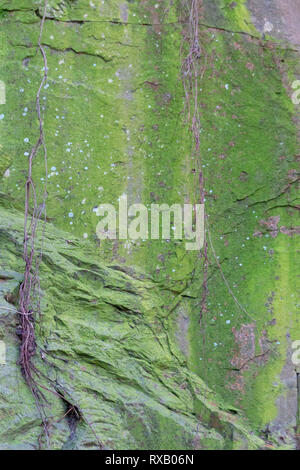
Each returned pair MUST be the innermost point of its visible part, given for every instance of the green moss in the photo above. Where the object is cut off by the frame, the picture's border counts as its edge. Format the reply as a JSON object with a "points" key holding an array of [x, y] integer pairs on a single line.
{"points": [[127, 319], [141, 381], [238, 16], [243, 144]]}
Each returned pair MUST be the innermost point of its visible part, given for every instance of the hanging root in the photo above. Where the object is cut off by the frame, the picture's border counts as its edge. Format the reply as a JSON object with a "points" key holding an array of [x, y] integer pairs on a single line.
{"points": [[72, 414], [29, 304], [193, 69], [29, 294]]}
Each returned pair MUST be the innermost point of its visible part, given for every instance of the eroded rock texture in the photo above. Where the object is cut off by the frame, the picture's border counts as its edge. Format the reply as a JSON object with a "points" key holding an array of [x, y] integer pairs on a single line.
{"points": [[144, 345]]}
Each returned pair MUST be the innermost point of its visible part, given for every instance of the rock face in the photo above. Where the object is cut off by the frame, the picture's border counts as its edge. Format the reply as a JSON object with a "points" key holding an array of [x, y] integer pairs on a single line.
{"points": [[143, 344]]}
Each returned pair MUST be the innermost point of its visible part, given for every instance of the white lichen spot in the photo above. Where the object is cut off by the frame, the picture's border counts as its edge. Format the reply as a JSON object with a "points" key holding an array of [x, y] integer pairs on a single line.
{"points": [[268, 27]]}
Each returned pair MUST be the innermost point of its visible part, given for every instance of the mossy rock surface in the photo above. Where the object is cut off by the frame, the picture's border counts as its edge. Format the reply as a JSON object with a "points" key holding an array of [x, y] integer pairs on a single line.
{"points": [[125, 333]]}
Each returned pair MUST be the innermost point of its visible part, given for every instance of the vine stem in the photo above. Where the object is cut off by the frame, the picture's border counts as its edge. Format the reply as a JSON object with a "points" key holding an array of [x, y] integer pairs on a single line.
{"points": [[29, 301]]}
